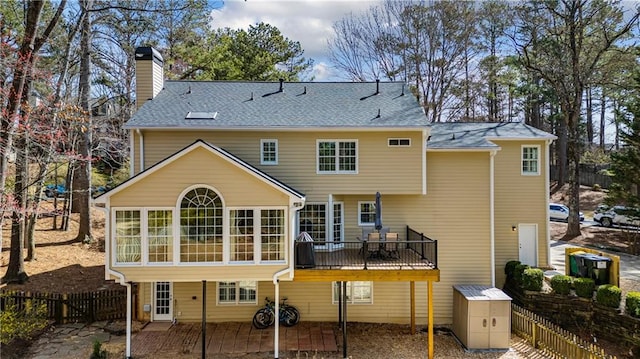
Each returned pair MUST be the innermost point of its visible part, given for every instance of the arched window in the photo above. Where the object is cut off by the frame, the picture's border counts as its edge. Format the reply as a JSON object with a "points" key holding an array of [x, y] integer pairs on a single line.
{"points": [[201, 226]]}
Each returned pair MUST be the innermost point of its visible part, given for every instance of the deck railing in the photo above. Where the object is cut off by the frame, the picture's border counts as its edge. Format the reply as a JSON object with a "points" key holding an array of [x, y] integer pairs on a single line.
{"points": [[425, 246], [418, 253]]}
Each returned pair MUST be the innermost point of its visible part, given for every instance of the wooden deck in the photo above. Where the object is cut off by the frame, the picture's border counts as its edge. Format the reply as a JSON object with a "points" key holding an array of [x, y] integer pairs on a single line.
{"points": [[232, 337]]}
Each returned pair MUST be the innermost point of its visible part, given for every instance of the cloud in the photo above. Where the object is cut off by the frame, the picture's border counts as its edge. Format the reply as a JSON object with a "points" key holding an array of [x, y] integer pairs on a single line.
{"points": [[307, 21]]}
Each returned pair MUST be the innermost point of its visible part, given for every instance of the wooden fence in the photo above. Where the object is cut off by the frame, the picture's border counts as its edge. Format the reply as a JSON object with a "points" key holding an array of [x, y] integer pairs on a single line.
{"points": [[72, 307], [550, 338], [590, 175]]}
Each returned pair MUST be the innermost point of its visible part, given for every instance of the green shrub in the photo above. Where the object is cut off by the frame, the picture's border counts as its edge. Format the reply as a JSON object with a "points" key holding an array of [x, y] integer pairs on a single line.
{"points": [[584, 287], [632, 306], [518, 271], [98, 352], [532, 279], [509, 268], [561, 284], [22, 324], [609, 295]]}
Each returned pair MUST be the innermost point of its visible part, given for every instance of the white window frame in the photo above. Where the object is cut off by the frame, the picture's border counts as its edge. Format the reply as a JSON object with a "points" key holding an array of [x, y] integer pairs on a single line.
{"points": [[373, 205], [399, 142], [257, 235], [537, 160], [337, 156], [350, 289], [144, 237], [237, 294], [262, 152], [337, 242], [171, 238], [114, 240]]}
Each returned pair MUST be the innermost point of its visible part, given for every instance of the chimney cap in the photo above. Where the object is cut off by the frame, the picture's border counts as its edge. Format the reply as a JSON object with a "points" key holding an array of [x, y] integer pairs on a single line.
{"points": [[148, 53]]}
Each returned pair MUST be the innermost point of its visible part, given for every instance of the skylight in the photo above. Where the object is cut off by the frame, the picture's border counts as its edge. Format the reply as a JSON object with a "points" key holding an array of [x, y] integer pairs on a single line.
{"points": [[201, 115]]}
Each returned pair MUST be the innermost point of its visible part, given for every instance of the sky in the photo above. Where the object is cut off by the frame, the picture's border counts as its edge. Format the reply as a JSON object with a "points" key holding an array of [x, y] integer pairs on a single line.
{"points": [[307, 21]]}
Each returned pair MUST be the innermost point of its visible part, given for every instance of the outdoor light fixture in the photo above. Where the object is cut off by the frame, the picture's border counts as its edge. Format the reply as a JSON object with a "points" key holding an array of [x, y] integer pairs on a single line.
{"points": [[513, 228]]}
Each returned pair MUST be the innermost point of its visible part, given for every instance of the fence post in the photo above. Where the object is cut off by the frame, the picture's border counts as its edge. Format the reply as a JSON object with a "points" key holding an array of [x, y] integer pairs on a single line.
{"points": [[365, 251], [65, 308], [92, 307], [534, 333]]}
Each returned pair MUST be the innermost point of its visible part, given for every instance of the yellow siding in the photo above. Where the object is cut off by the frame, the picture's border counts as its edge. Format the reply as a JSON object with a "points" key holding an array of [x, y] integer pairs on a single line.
{"points": [[391, 303], [380, 168], [518, 199], [234, 185]]}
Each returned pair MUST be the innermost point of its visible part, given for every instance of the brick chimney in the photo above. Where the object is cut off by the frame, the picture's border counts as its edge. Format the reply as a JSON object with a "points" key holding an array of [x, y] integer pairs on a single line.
{"points": [[149, 74]]}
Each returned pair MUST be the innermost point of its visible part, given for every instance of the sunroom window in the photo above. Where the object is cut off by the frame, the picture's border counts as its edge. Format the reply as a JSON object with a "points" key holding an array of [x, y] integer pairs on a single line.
{"points": [[201, 226], [128, 236]]}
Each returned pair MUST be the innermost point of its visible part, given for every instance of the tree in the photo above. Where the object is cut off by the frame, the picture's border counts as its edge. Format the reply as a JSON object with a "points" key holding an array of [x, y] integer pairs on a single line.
{"points": [[13, 120], [260, 53], [625, 164], [572, 37]]}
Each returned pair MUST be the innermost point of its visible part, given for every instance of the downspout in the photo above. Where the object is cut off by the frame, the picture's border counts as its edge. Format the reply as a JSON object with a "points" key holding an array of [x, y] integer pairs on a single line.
{"points": [[141, 149], [546, 183], [120, 276], [295, 207], [492, 225], [425, 138], [132, 171]]}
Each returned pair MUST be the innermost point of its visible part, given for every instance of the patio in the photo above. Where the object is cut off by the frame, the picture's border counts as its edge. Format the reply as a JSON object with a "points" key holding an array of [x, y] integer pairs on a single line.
{"points": [[232, 337]]}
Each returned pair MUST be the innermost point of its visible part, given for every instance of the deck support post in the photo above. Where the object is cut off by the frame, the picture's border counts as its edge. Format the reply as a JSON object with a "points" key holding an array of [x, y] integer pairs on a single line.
{"points": [[412, 296], [430, 317], [204, 319], [343, 302]]}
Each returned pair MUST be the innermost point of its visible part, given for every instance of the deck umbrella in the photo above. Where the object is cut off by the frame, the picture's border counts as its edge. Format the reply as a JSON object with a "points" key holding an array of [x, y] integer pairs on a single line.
{"points": [[378, 219]]}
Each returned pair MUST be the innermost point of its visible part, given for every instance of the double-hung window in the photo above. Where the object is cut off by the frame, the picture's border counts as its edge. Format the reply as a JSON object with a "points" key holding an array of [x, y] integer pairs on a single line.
{"points": [[366, 213], [337, 156], [268, 152], [357, 292], [530, 160], [242, 292]]}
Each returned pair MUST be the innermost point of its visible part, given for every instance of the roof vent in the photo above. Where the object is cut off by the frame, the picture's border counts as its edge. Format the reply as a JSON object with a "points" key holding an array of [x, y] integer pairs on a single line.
{"points": [[377, 86], [201, 115], [281, 85]]}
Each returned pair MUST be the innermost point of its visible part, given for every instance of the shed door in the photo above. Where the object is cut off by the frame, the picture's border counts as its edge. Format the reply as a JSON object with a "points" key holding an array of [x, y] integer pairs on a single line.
{"points": [[163, 301], [528, 244]]}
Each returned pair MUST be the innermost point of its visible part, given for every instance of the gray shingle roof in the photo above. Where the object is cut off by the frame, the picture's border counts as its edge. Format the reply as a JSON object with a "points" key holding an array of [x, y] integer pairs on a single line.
{"points": [[300, 105], [478, 135]]}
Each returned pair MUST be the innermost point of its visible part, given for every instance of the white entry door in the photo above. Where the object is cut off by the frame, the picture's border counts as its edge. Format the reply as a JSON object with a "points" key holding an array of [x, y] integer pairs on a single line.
{"points": [[528, 244], [163, 301]]}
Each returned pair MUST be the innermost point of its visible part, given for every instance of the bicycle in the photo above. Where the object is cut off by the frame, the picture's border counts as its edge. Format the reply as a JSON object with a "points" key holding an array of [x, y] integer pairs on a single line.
{"points": [[264, 317]]}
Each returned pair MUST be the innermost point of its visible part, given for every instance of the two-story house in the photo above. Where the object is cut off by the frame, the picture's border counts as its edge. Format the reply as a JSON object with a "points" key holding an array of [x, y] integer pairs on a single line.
{"points": [[226, 175]]}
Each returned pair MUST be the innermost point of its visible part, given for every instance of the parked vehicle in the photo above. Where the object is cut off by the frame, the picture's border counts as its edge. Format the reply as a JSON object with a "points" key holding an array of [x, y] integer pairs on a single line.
{"points": [[265, 316], [619, 215], [560, 212], [52, 190]]}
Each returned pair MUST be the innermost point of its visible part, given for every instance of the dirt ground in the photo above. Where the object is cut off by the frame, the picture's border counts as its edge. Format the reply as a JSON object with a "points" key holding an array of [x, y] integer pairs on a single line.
{"points": [[64, 266]]}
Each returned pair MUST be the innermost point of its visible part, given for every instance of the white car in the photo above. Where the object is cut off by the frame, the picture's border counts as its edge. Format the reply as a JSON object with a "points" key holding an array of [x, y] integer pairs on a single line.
{"points": [[619, 215], [560, 212]]}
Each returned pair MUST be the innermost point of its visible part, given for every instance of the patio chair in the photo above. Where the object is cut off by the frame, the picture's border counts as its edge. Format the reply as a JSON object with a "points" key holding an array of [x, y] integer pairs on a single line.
{"points": [[391, 244], [373, 241], [383, 232]]}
